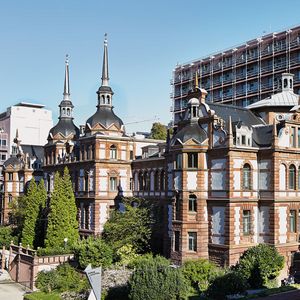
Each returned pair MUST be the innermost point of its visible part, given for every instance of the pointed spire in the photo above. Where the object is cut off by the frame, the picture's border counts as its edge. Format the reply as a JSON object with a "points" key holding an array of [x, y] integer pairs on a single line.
{"points": [[105, 78], [230, 135], [196, 81], [67, 83]]}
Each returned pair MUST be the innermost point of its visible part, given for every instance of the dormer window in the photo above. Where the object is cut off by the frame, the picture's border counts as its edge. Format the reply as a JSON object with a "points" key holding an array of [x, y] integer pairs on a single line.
{"points": [[192, 160], [194, 112], [243, 140]]}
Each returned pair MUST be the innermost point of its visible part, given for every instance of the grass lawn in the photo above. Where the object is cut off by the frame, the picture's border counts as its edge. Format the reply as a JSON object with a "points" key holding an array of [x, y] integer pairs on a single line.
{"points": [[42, 296]]}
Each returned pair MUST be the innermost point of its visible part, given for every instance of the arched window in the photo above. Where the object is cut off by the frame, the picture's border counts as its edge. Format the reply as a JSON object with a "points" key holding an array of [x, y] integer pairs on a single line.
{"points": [[113, 152], [285, 83], [141, 181], [68, 112], [107, 99], [103, 99], [292, 177], [246, 177], [10, 198], [162, 180], [192, 203], [156, 181], [146, 181]]}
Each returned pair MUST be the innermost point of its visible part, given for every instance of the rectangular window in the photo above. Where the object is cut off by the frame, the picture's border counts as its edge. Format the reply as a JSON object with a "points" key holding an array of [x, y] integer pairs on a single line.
{"points": [[131, 155], [10, 176], [178, 161], [3, 157], [293, 137], [192, 160], [243, 140], [192, 204], [192, 237], [292, 220], [246, 222], [113, 153], [176, 240], [113, 183]]}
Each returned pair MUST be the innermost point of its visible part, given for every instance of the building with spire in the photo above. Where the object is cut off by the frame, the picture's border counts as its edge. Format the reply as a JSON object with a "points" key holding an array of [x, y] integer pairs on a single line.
{"points": [[99, 158], [228, 178]]}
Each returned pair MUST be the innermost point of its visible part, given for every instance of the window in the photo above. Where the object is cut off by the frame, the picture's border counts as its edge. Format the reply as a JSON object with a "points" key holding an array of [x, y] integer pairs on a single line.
{"points": [[130, 184], [3, 157], [176, 240], [246, 177], [192, 203], [113, 152], [246, 222], [292, 220], [178, 164], [243, 140], [298, 137], [293, 137], [162, 180], [146, 181], [10, 176], [10, 198], [113, 183], [192, 160], [156, 181], [3, 142], [131, 155], [192, 237], [292, 177], [141, 181]]}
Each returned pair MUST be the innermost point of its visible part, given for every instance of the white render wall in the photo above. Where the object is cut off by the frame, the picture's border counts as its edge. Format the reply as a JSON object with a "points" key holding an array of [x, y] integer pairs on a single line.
{"points": [[33, 124]]}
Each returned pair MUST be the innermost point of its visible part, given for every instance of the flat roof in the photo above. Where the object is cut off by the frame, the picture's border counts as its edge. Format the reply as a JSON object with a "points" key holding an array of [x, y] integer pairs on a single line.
{"points": [[28, 104]]}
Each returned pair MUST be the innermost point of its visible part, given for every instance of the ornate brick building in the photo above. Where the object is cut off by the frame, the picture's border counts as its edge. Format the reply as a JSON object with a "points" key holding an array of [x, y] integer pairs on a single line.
{"points": [[229, 178]]}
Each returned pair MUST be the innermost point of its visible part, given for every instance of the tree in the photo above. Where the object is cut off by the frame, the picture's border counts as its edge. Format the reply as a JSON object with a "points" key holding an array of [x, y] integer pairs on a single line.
{"points": [[62, 223], [93, 251], [158, 131], [35, 202], [154, 278], [259, 265], [7, 235], [130, 227]]}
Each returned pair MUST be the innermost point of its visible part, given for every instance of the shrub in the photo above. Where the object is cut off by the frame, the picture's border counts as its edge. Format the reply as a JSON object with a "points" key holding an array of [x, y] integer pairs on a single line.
{"points": [[7, 235], [93, 251], [199, 273], [229, 284], [125, 255], [53, 251], [63, 278], [260, 264], [154, 279]]}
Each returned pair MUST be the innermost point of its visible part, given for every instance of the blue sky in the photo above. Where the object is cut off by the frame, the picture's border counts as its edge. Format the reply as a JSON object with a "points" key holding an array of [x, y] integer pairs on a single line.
{"points": [[146, 40]]}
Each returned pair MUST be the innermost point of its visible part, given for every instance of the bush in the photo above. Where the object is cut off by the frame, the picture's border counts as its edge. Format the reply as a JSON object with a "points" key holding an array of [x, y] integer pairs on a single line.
{"points": [[7, 235], [229, 284], [260, 264], [125, 255], [200, 273], [154, 279], [53, 251], [63, 278], [93, 251]]}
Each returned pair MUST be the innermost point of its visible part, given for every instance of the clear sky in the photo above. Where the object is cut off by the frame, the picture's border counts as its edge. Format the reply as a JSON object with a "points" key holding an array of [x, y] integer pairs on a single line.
{"points": [[146, 40]]}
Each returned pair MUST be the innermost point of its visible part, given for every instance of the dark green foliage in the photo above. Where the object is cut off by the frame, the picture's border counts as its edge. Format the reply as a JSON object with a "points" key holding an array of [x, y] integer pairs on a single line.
{"points": [[230, 283], [7, 234], [33, 225], [93, 251], [154, 279], [17, 213], [200, 273], [63, 278], [158, 131], [62, 222], [260, 264], [132, 227], [54, 251]]}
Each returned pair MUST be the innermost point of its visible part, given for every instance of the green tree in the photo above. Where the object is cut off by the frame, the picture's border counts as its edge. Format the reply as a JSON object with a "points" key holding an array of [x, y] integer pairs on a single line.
{"points": [[260, 264], [93, 251], [158, 131], [7, 235], [155, 279], [130, 227], [62, 223], [200, 273], [35, 202]]}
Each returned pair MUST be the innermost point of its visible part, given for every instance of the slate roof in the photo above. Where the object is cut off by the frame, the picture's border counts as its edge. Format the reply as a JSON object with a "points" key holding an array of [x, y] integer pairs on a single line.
{"points": [[238, 114], [106, 117], [190, 131], [65, 127]]}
